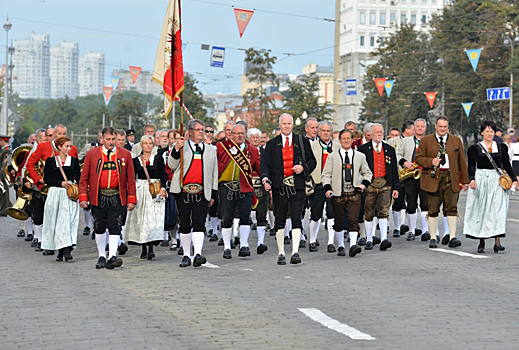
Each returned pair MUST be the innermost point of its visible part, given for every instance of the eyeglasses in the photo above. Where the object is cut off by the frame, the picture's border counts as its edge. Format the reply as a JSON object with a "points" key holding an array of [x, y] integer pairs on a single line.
{"points": [[198, 129], [210, 131]]}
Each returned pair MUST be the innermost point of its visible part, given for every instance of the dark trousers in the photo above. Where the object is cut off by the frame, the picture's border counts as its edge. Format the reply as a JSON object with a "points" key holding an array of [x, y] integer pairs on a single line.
{"points": [[282, 198], [443, 195], [317, 201], [413, 192], [232, 201], [170, 219], [262, 209], [109, 214], [349, 205], [38, 205], [192, 210], [213, 209], [399, 203]]}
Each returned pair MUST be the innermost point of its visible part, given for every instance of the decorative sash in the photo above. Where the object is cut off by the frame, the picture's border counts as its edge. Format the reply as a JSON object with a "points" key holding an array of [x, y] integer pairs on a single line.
{"points": [[236, 154]]}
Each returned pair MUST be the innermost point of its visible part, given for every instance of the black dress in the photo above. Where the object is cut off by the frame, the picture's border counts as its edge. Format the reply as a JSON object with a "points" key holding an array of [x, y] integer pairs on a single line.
{"points": [[156, 171], [477, 159], [52, 175]]}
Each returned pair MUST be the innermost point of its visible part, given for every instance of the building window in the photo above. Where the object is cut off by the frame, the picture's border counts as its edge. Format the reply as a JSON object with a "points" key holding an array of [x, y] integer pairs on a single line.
{"points": [[362, 18], [362, 40], [424, 19], [424, 1], [372, 41], [413, 18], [372, 18], [382, 18], [381, 39], [413, 1], [392, 17], [403, 18]]}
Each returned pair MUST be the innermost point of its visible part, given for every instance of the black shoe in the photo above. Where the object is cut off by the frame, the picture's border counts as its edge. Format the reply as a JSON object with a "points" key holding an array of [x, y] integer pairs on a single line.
{"points": [[403, 229], [331, 248], [29, 237], [48, 252], [101, 263], [376, 240], [59, 257], [164, 243], [410, 236], [123, 248], [209, 233], [213, 238], [385, 245], [453, 243], [446, 239], [498, 248], [425, 237], [262, 248], [34, 244], [253, 227], [396, 233], [38, 248], [369, 245], [144, 252], [114, 262], [433, 244], [282, 260], [418, 232], [272, 232], [287, 240], [302, 243], [151, 255], [199, 260], [312, 247], [68, 254], [295, 259], [220, 241], [237, 241], [354, 250], [185, 262], [173, 246], [20, 233], [317, 243], [481, 247], [227, 254], [361, 241], [180, 251], [244, 251], [341, 251], [86, 231]]}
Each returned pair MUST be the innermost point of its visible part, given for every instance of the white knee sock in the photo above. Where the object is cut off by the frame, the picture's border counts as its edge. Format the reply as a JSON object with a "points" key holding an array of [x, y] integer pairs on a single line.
{"points": [[261, 234], [226, 235], [235, 226], [433, 226], [280, 235], [271, 219], [412, 222], [362, 232], [113, 245], [446, 227], [425, 224], [28, 226], [185, 243], [198, 242], [339, 235], [107, 237], [318, 228], [353, 238], [121, 240], [451, 224], [396, 220], [166, 235], [383, 228], [88, 218], [313, 229], [296, 237], [253, 216], [288, 227], [38, 229], [214, 225], [244, 236], [101, 243], [331, 231], [369, 230]]}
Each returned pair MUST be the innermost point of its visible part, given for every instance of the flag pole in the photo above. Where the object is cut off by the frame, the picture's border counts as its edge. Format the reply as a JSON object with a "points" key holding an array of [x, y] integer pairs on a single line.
{"points": [[181, 135]]}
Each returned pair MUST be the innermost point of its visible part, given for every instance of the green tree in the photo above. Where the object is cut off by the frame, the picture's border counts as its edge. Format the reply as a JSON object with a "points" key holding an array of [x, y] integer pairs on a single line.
{"points": [[60, 111]]}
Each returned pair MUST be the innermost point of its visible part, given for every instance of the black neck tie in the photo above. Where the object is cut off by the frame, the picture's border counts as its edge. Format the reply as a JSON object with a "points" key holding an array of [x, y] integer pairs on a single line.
{"points": [[442, 146], [108, 154], [198, 149], [347, 168], [416, 143]]}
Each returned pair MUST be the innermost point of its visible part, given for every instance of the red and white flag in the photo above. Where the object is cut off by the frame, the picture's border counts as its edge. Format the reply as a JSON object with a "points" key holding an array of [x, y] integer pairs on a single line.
{"points": [[169, 67], [134, 72]]}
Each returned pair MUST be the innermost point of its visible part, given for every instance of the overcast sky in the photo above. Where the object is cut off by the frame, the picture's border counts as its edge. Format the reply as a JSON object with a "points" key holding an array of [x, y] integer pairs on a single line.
{"points": [[128, 31]]}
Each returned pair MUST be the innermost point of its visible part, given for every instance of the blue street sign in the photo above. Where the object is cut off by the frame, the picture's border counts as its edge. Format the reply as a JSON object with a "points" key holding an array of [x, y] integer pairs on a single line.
{"points": [[498, 94], [217, 56], [351, 87]]}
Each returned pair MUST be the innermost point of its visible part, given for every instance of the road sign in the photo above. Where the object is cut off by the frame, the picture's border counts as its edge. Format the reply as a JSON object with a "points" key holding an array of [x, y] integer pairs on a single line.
{"points": [[498, 94], [351, 87], [217, 57]]}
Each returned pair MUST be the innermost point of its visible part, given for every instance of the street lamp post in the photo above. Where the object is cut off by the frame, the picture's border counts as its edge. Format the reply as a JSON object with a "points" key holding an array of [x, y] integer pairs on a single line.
{"points": [[512, 43], [3, 119]]}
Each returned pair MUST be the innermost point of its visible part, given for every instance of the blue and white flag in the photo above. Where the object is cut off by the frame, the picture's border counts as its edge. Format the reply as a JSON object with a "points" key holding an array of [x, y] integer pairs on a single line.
{"points": [[389, 87], [114, 82], [473, 56], [467, 107]]}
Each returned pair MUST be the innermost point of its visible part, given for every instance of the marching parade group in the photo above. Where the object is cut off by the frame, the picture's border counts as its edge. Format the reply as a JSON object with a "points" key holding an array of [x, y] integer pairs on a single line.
{"points": [[178, 189]]}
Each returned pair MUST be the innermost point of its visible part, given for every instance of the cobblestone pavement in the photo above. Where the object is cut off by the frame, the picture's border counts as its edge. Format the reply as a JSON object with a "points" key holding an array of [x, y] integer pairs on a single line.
{"points": [[406, 298]]}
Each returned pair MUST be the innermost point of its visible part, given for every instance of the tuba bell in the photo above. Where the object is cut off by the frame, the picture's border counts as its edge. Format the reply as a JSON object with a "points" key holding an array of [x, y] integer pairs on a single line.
{"points": [[17, 210], [405, 173], [18, 158]]}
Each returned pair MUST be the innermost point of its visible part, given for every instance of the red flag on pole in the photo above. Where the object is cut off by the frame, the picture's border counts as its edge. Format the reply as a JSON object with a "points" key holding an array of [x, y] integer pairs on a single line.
{"points": [[135, 71], [107, 94], [169, 68], [379, 82], [431, 96], [242, 18]]}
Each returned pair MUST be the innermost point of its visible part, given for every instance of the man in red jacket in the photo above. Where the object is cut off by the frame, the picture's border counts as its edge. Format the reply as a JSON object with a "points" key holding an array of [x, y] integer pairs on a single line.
{"points": [[237, 162], [108, 183], [43, 151]]}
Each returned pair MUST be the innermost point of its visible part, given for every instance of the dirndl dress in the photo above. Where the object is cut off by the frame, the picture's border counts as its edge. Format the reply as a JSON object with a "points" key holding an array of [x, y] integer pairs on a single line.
{"points": [[487, 207], [60, 220]]}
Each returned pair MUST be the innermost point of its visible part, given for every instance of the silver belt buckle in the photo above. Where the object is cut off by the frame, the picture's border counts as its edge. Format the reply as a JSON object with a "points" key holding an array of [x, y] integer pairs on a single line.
{"points": [[192, 188], [289, 181], [233, 186], [256, 182]]}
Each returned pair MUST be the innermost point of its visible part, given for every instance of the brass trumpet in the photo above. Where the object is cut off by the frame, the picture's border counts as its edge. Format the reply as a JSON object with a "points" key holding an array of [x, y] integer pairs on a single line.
{"points": [[17, 210], [405, 173]]}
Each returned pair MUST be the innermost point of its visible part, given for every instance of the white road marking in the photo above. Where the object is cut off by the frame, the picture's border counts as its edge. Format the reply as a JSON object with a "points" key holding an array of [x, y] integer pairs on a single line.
{"points": [[246, 269], [212, 266], [319, 316], [460, 253], [514, 220]]}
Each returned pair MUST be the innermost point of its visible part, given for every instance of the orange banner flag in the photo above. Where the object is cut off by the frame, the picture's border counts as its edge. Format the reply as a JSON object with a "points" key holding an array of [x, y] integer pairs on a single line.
{"points": [[135, 71], [379, 82], [242, 18], [431, 97], [107, 94]]}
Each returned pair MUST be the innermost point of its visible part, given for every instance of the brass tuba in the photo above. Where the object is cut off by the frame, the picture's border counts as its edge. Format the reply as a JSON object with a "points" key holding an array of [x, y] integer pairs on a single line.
{"points": [[39, 169], [18, 157], [405, 173], [17, 210]]}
